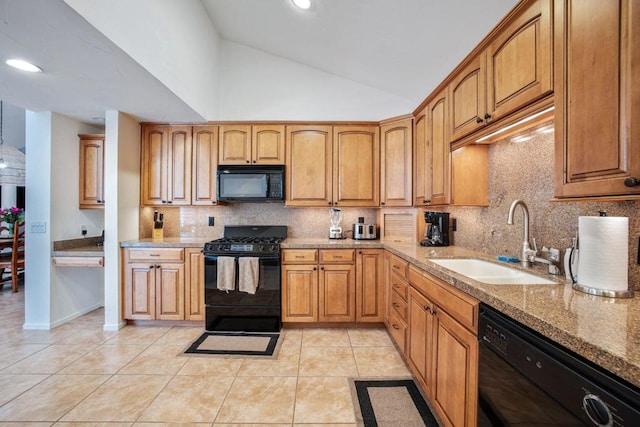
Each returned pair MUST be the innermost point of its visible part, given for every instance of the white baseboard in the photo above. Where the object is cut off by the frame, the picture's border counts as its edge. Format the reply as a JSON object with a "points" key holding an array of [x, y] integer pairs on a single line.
{"points": [[37, 326], [75, 315], [114, 326]]}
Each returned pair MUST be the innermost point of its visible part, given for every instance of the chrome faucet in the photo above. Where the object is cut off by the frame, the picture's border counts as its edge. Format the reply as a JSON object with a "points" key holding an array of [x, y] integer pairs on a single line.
{"points": [[526, 248]]}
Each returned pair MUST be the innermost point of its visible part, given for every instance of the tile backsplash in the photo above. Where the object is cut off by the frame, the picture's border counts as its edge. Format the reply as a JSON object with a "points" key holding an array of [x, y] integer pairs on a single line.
{"points": [[517, 170]]}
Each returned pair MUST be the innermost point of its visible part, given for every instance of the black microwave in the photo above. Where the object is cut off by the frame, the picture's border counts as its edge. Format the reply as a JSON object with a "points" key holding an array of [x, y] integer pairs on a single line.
{"points": [[250, 183]]}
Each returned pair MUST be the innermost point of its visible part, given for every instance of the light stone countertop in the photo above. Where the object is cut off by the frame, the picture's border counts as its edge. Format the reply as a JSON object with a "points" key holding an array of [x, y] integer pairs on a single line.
{"points": [[605, 331], [83, 247]]}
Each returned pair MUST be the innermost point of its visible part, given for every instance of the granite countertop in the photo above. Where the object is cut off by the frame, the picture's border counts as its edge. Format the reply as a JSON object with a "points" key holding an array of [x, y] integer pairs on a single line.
{"points": [[84, 247], [166, 242], [604, 330]]}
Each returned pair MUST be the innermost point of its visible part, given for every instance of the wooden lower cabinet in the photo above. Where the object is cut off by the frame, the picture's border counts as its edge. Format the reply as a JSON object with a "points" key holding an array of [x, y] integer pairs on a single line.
{"points": [[438, 337], [454, 388], [369, 285], [299, 293], [163, 284], [336, 293]]}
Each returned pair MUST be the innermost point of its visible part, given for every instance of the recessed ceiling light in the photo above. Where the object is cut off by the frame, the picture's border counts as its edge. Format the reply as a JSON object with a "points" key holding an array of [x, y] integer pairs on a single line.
{"points": [[23, 65], [302, 4]]}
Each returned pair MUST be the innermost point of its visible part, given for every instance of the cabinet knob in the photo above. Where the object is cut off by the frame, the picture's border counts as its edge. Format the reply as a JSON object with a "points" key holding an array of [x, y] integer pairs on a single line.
{"points": [[314, 268], [254, 161], [248, 161], [322, 268], [151, 267], [487, 116], [631, 181], [395, 326], [170, 201], [213, 202], [329, 203], [164, 201], [382, 203], [479, 120], [426, 202]]}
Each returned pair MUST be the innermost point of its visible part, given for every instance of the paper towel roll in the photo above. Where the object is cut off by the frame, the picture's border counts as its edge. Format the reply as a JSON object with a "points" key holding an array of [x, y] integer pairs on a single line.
{"points": [[604, 252]]}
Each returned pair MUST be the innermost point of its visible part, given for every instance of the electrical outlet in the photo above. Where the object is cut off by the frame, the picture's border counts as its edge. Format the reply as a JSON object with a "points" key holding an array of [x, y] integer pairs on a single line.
{"points": [[211, 221], [83, 229], [38, 227], [554, 254]]}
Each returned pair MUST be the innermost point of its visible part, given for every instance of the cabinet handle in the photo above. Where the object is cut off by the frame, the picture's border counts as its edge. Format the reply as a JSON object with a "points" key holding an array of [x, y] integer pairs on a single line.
{"points": [[213, 202], [170, 201], [338, 256], [479, 120], [396, 267], [154, 254], [395, 326], [382, 203], [395, 304], [396, 286], [631, 181], [433, 311], [426, 202], [164, 201], [487, 116]]}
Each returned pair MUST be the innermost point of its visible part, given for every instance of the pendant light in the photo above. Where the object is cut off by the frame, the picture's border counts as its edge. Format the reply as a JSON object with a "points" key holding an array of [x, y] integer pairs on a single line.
{"points": [[3, 164]]}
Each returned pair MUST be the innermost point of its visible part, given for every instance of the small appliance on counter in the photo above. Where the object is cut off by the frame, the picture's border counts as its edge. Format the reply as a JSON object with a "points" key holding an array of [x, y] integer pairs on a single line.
{"points": [[158, 224], [362, 231], [437, 231], [335, 231]]}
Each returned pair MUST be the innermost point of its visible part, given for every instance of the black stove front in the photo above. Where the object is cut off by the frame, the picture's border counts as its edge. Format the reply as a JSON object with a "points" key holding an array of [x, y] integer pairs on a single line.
{"points": [[235, 310]]}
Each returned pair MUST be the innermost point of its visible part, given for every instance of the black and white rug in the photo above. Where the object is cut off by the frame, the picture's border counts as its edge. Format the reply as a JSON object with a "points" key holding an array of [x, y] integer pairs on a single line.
{"points": [[236, 344], [391, 402]]}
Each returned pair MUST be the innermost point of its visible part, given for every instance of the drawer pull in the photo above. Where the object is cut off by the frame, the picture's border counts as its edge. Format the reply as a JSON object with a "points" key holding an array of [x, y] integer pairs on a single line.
{"points": [[337, 256], [299, 256], [396, 286], [396, 326], [396, 305], [154, 254], [397, 267]]}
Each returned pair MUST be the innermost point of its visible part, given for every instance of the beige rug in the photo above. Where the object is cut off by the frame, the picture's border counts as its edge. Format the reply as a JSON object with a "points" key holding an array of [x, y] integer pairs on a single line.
{"points": [[390, 402], [242, 344]]}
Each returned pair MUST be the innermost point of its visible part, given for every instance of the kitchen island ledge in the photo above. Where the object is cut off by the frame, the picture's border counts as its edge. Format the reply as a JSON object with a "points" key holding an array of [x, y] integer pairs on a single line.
{"points": [[605, 331]]}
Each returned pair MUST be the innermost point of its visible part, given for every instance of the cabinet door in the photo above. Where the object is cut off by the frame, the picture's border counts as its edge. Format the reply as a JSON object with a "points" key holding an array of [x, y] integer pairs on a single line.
{"points": [[194, 285], [519, 61], [179, 170], [597, 97], [235, 145], [155, 165], [396, 173], [309, 166], [421, 160], [386, 283], [439, 138], [336, 293], [420, 340], [467, 101], [369, 285], [204, 165], [356, 160], [268, 145], [139, 291], [299, 293], [455, 372], [169, 291], [91, 171]]}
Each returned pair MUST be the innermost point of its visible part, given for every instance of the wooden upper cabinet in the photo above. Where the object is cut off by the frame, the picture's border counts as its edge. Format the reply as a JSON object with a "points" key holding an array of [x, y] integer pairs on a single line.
{"points": [[246, 144], [204, 165], [396, 163], [166, 165], [421, 160], [91, 171], [268, 145], [467, 99], [520, 60], [356, 165], [438, 135], [597, 97], [514, 70], [309, 166], [235, 145]]}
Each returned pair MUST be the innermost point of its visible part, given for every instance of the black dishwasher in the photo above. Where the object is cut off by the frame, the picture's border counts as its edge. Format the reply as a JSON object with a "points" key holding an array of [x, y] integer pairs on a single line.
{"points": [[525, 379]]}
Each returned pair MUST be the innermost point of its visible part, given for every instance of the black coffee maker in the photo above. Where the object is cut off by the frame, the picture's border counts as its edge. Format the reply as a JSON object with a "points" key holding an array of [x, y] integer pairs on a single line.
{"points": [[437, 232]]}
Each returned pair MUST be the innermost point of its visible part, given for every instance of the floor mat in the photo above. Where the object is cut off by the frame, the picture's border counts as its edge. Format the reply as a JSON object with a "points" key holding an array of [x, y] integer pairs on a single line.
{"points": [[236, 344], [391, 403]]}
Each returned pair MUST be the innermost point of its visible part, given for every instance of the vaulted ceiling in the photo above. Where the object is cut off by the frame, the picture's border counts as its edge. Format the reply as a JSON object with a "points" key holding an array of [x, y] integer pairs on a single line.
{"points": [[403, 48]]}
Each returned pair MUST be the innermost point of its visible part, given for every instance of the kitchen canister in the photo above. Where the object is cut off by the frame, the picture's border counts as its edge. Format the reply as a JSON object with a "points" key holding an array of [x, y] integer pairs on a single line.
{"points": [[603, 264]]}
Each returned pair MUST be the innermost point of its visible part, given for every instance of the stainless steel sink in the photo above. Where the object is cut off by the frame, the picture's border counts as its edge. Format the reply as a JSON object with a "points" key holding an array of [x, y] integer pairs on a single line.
{"points": [[490, 273]]}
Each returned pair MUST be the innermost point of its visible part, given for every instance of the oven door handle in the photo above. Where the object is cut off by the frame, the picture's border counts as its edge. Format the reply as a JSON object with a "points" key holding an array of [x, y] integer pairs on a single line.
{"points": [[261, 257]]}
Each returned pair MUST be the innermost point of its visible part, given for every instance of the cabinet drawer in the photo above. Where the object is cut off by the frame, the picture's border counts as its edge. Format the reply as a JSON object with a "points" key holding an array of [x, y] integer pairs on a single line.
{"points": [[399, 266], [157, 254], [399, 286], [399, 306], [300, 256], [347, 256], [398, 331]]}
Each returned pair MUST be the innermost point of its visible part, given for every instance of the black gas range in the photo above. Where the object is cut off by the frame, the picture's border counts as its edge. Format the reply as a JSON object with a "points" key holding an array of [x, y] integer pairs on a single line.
{"points": [[229, 306]]}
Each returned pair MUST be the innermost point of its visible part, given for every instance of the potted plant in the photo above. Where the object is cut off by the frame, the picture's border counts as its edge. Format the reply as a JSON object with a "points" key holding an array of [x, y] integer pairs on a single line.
{"points": [[10, 216]]}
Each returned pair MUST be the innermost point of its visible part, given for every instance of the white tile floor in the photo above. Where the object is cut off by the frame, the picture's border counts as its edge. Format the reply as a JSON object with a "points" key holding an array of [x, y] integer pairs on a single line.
{"points": [[78, 375]]}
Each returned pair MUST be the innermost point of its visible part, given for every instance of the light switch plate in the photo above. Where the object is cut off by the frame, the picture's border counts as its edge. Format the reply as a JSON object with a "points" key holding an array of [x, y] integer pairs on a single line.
{"points": [[38, 227]]}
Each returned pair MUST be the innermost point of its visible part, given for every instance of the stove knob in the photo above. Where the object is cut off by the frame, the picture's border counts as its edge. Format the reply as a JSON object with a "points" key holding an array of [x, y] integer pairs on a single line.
{"points": [[273, 248], [260, 248]]}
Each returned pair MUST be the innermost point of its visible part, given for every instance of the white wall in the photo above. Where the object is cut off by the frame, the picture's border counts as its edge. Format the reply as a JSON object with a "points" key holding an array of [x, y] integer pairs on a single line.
{"points": [[122, 195], [54, 295], [174, 40], [259, 86]]}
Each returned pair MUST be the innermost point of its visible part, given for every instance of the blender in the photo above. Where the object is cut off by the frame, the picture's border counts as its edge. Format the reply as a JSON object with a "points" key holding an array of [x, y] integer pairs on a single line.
{"points": [[335, 231]]}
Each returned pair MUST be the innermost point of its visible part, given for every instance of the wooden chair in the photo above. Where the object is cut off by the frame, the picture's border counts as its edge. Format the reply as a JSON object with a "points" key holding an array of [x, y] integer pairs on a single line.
{"points": [[14, 262]]}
